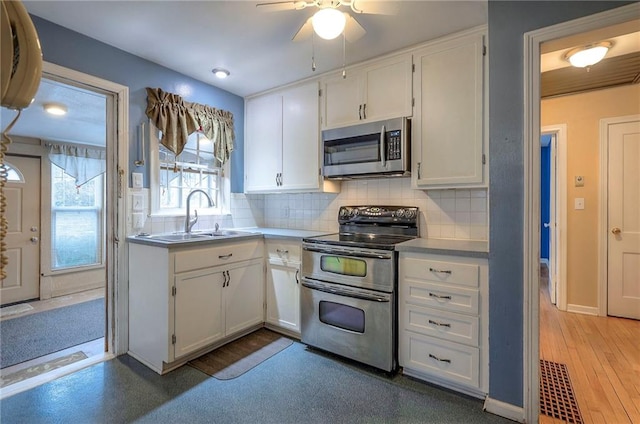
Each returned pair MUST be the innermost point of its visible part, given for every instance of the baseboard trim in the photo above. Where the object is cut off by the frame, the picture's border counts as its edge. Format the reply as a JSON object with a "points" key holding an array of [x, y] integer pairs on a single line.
{"points": [[580, 309], [503, 409]]}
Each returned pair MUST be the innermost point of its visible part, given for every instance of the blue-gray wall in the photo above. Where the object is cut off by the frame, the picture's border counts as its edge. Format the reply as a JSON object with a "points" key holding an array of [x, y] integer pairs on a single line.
{"points": [[70, 49], [508, 21]]}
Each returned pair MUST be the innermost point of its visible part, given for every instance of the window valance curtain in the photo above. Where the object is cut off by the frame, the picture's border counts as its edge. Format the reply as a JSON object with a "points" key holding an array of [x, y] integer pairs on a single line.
{"points": [[178, 119], [82, 163]]}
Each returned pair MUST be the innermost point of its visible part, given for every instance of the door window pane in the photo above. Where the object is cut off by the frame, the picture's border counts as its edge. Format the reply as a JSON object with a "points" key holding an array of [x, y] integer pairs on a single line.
{"points": [[342, 316], [343, 266]]}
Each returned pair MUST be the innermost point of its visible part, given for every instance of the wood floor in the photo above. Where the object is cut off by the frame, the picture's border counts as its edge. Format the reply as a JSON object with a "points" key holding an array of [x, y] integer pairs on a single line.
{"points": [[602, 355]]}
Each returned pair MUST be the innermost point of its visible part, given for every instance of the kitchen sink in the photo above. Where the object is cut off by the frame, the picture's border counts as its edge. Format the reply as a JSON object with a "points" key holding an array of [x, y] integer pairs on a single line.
{"points": [[196, 236]]}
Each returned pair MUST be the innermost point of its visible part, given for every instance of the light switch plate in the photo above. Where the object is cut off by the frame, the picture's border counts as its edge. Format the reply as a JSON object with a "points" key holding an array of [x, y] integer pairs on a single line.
{"points": [[138, 220], [137, 202], [579, 203], [136, 180]]}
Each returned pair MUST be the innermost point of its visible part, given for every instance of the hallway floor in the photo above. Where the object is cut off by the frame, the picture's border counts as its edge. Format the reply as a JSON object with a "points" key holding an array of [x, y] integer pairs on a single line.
{"points": [[92, 348], [602, 355], [296, 385]]}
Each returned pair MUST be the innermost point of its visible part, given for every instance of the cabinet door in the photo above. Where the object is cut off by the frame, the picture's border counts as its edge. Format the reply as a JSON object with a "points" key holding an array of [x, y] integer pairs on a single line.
{"points": [[342, 99], [300, 138], [198, 310], [448, 121], [387, 90], [263, 142], [283, 295], [244, 297]]}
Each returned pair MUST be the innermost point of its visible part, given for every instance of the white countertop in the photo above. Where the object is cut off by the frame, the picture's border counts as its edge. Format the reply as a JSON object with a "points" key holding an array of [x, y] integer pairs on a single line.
{"points": [[284, 232], [470, 248]]}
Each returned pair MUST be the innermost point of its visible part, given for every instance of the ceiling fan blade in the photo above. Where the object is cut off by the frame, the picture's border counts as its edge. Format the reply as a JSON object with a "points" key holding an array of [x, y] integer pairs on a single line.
{"points": [[276, 6], [375, 7], [304, 32], [353, 31]]}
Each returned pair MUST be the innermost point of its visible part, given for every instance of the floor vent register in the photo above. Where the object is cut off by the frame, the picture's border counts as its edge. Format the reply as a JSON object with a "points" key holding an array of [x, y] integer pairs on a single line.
{"points": [[557, 399]]}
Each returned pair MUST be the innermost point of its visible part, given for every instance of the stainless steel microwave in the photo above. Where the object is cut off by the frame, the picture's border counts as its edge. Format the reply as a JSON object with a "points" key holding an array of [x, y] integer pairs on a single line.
{"points": [[375, 149]]}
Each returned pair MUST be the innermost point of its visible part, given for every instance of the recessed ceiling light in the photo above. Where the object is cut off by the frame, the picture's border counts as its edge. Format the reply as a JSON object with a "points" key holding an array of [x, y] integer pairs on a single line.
{"points": [[581, 57], [55, 108], [220, 73]]}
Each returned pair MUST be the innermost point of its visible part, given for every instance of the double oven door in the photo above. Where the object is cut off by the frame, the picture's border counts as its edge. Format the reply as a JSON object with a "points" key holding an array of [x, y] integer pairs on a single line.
{"points": [[340, 311]]}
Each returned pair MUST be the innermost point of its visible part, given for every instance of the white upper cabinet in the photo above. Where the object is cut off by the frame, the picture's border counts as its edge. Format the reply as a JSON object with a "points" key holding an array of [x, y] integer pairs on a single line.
{"points": [[449, 120], [373, 92], [282, 143]]}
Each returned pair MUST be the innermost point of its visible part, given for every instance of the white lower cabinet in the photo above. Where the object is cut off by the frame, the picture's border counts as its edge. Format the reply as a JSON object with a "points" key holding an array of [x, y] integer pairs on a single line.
{"points": [[186, 301], [443, 320], [283, 285]]}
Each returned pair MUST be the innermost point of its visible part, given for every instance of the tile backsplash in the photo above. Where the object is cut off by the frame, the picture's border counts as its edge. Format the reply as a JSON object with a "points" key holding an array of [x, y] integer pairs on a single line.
{"points": [[450, 214]]}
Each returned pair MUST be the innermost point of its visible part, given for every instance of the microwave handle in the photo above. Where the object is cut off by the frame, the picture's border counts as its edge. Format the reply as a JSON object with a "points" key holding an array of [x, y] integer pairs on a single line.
{"points": [[383, 151]]}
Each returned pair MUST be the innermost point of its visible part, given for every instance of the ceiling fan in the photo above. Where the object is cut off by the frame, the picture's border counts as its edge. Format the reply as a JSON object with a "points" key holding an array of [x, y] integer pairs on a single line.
{"points": [[329, 22]]}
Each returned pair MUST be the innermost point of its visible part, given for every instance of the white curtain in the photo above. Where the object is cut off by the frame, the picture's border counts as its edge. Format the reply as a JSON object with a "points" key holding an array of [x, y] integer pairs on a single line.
{"points": [[82, 163]]}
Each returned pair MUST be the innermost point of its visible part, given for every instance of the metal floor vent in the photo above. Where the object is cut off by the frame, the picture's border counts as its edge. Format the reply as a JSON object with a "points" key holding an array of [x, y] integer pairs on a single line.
{"points": [[556, 394]]}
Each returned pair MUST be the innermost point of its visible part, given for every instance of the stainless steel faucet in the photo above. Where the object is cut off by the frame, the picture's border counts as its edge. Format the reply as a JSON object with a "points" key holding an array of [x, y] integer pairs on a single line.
{"points": [[188, 222]]}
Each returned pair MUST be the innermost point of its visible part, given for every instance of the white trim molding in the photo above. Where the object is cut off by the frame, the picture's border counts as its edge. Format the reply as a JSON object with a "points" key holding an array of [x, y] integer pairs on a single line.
{"points": [[117, 169], [581, 309], [560, 131], [603, 216], [504, 409], [531, 174]]}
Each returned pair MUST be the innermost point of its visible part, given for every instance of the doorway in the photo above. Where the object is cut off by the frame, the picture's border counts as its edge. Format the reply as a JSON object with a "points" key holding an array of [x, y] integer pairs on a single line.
{"points": [[111, 226], [533, 42]]}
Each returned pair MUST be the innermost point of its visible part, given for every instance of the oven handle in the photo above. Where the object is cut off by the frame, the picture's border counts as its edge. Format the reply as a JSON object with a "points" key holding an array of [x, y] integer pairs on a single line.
{"points": [[348, 253], [342, 292]]}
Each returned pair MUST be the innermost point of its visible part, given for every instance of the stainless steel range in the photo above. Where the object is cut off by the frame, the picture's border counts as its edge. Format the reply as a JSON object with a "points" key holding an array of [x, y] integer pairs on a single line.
{"points": [[349, 284]]}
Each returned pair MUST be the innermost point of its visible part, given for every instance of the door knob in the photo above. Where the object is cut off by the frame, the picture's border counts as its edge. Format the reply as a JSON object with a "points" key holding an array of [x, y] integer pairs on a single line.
{"points": [[616, 230], [33, 240]]}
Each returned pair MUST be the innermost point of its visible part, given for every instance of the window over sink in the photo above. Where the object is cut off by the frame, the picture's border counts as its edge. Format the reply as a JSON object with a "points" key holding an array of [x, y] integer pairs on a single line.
{"points": [[173, 177]]}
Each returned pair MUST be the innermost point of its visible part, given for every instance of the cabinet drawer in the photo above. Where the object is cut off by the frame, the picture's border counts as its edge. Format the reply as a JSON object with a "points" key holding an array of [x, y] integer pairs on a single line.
{"points": [[454, 299], [441, 324], [192, 259], [452, 361], [441, 271], [285, 251]]}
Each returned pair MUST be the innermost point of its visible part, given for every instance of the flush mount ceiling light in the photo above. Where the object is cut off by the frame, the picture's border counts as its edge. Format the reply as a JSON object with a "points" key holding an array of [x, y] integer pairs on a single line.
{"points": [[328, 23], [55, 108], [582, 57], [220, 73]]}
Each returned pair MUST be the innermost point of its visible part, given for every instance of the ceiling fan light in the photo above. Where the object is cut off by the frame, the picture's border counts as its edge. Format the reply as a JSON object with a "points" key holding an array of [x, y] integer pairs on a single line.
{"points": [[57, 109], [589, 55], [328, 23]]}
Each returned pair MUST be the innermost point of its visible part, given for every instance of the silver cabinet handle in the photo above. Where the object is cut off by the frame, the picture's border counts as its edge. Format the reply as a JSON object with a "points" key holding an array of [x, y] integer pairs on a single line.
{"points": [[225, 256], [441, 271], [419, 164], [282, 252], [364, 111], [228, 278], [360, 112], [224, 275], [439, 324], [437, 296], [297, 273], [383, 152], [448, 361]]}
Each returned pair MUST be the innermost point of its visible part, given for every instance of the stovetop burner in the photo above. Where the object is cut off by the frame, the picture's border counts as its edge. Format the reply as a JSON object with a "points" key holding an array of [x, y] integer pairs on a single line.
{"points": [[375, 227]]}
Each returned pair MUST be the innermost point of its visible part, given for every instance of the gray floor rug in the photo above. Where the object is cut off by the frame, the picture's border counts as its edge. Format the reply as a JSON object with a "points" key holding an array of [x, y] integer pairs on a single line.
{"points": [[31, 336]]}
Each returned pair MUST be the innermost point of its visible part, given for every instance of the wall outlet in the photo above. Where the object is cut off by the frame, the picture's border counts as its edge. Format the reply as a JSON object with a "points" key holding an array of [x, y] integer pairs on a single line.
{"points": [[137, 202], [138, 220]]}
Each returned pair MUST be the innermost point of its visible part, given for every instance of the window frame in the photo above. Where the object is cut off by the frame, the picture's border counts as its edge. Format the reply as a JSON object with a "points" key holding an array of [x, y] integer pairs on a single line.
{"points": [[222, 190], [100, 189]]}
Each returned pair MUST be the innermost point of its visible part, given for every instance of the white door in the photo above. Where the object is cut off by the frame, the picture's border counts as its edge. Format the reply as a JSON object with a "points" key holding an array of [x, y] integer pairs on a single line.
{"points": [[22, 193], [623, 279]]}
